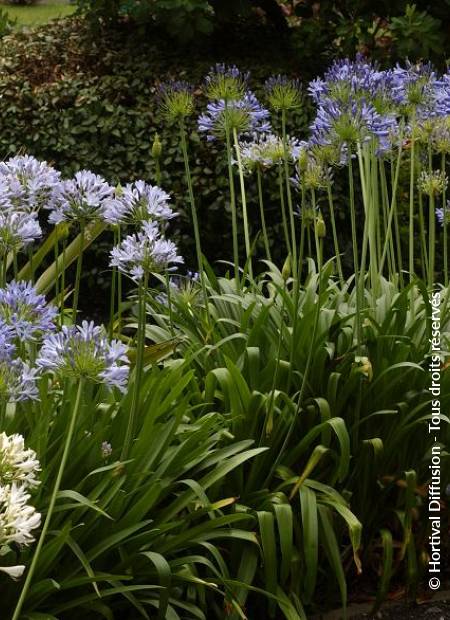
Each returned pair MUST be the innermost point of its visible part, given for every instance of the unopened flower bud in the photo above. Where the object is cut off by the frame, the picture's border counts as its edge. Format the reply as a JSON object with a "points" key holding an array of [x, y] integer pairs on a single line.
{"points": [[321, 227], [156, 147], [286, 271]]}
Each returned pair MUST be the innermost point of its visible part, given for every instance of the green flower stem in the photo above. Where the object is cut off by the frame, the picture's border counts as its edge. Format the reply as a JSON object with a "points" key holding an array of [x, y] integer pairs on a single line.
{"points": [[390, 255], [432, 240], [198, 247], [393, 206], [140, 346], [423, 238], [119, 292], [262, 214], [112, 299], [288, 190], [411, 210], [234, 224], [58, 273], [169, 304], [283, 210], [76, 293], [444, 223], [51, 506], [248, 249], [355, 251], [63, 282], [334, 231]]}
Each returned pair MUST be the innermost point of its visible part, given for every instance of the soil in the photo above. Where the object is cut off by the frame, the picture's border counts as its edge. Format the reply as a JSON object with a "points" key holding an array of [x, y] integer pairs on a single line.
{"points": [[435, 610]]}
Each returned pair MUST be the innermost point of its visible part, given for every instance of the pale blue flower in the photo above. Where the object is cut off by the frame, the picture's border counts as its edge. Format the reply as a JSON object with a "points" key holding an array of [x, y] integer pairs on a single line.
{"points": [[144, 252], [138, 202], [26, 312], [81, 199], [85, 352]]}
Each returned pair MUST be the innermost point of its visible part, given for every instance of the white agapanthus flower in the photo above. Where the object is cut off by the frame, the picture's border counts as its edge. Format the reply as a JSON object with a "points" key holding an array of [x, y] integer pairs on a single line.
{"points": [[17, 463], [17, 517]]}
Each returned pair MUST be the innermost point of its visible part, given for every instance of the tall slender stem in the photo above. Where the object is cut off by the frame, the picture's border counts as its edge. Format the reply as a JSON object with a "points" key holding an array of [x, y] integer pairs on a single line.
{"points": [[411, 210], [234, 224], [355, 250], [288, 190], [444, 221], [140, 346], [248, 249], [51, 506], [334, 230], [198, 247], [283, 210], [112, 299], [262, 214], [76, 292]]}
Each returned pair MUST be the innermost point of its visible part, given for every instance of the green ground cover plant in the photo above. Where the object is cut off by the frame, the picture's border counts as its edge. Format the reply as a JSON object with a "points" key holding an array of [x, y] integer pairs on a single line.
{"points": [[243, 440]]}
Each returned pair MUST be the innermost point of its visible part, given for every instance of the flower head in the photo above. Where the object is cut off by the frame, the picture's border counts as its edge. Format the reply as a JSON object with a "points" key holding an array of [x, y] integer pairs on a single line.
{"points": [[138, 202], [17, 230], [226, 82], [17, 381], [245, 115], [443, 215], [26, 312], [432, 184], [85, 352], [176, 99], [283, 93], [266, 150], [17, 518], [17, 463], [32, 183], [81, 198], [144, 252], [414, 88]]}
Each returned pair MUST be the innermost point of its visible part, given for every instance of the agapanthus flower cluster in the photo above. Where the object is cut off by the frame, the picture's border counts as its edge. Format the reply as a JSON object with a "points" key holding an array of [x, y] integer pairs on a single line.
{"points": [[26, 312], [18, 464], [443, 215], [414, 89], [145, 252], [176, 99], [136, 203], [17, 517], [348, 80], [84, 352], [32, 184], [185, 287], [17, 230], [266, 150], [226, 82], [346, 124], [81, 199], [245, 116], [432, 184], [17, 381], [283, 93], [19, 468]]}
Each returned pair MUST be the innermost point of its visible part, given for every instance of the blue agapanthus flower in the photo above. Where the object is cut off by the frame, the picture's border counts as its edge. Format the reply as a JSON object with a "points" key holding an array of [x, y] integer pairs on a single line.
{"points": [[347, 124], [17, 230], [226, 82], [26, 312], [266, 150], [84, 351], [17, 381], [283, 93], [414, 88], [7, 346], [351, 79], [145, 252], [81, 199], [138, 202], [245, 115], [443, 217], [32, 184]]}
